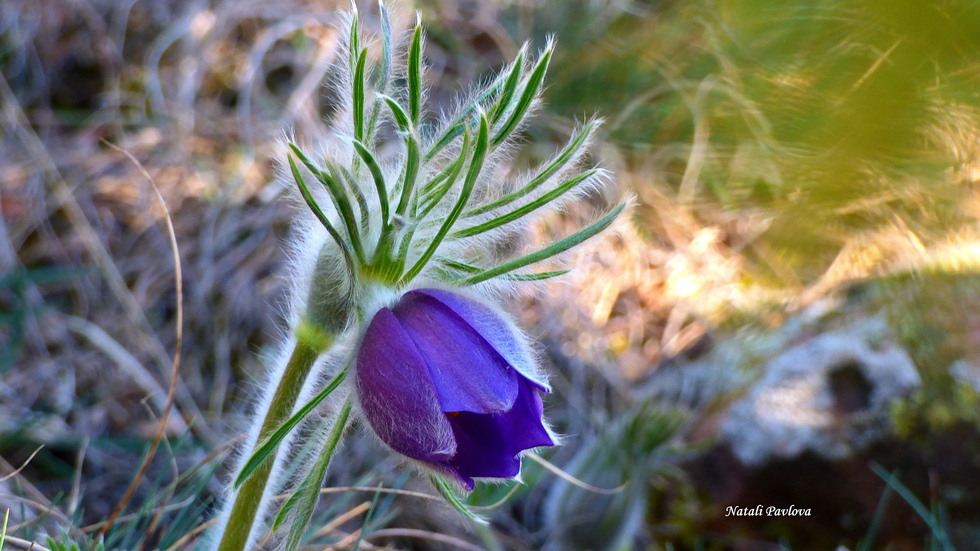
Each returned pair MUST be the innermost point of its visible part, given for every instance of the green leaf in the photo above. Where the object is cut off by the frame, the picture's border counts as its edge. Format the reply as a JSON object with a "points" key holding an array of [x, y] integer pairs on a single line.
{"points": [[373, 122], [447, 138], [456, 127], [476, 166], [341, 173], [379, 179], [266, 448], [415, 76], [536, 276], [304, 499], [358, 99], [450, 496], [406, 237], [311, 202], [568, 153], [340, 200], [523, 210], [448, 178], [410, 175], [386, 46], [432, 184], [555, 248], [510, 86], [411, 156], [401, 117], [531, 89], [469, 268], [355, 39], [383, 77]]}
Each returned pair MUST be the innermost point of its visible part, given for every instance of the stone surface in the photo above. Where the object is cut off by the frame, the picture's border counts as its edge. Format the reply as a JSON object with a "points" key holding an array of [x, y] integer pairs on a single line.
{"points": [[828, 394]]}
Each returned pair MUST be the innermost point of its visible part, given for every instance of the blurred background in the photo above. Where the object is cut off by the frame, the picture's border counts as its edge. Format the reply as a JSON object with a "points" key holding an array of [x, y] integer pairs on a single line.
{"points": [[789, 316]]}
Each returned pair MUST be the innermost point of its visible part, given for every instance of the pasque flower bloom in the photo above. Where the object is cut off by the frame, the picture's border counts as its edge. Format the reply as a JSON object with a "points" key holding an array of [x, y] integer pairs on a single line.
{"points": [[401, 200], [446, 380]]}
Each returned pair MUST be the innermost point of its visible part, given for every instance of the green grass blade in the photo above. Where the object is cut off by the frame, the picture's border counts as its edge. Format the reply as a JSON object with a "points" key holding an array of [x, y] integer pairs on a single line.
{"points": [[304, 499], [266, 448], [311, 202], [531, 89], [567, 154], [415, 76], [936, 527], [867, 543], [476, 166], [3, 533], [524, 210], [555, 248], [43, 275], [368, 518], [450, 496]]}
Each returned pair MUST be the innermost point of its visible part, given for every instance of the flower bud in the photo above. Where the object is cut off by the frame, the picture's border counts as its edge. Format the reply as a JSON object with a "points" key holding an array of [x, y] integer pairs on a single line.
{"points": [[330, 304], [446, 380]]}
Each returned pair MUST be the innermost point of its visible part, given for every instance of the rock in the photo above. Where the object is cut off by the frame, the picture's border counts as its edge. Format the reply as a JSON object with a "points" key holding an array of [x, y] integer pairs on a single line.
{"points": [[967, 373], [829, 394]]}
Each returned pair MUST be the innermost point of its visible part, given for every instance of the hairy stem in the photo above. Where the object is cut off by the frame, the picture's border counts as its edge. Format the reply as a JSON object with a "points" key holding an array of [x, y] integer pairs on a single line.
{"points": [[248, 500]]}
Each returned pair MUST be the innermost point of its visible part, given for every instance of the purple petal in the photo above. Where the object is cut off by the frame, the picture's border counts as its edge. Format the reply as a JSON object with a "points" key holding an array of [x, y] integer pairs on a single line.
{"points": [[493, 328], [488, 445], [397, 395], [467, 373]]}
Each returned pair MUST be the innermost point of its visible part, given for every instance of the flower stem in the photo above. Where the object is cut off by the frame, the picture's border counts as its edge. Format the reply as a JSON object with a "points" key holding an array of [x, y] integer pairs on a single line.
{"points": [[310, 343]]}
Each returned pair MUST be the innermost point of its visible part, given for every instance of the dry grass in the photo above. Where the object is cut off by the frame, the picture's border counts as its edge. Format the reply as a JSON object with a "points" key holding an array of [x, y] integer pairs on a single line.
{"points": [[198, 94]]}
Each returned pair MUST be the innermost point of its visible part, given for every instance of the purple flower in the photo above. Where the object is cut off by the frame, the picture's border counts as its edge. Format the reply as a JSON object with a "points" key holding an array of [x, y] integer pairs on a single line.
{"points": [[446, 380]]}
